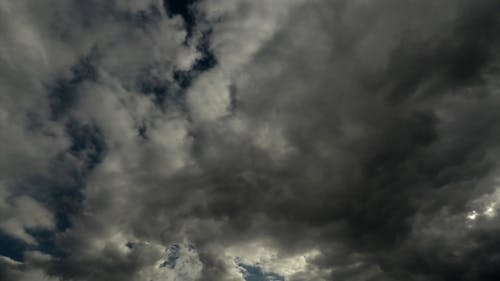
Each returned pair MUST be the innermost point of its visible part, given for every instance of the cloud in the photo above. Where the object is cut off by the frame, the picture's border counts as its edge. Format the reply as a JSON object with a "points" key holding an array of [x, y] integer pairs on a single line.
{"points": [[238, 140], [21, 214]]}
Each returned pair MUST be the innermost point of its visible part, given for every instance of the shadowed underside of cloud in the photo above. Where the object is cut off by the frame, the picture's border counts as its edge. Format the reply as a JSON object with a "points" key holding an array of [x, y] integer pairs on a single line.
{"points": [[283, 140]]}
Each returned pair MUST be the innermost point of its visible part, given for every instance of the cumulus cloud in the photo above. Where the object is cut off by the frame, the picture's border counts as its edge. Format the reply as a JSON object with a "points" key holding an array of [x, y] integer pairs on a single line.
{"points": [[249, 140]]}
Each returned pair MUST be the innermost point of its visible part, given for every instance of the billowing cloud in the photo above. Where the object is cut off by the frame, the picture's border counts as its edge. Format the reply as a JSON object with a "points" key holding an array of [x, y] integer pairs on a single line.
{"points": [[249, 140]]}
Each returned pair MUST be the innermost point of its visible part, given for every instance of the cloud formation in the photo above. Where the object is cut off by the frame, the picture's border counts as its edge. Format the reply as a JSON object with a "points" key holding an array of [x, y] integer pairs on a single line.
{"points": [[249, 140]]}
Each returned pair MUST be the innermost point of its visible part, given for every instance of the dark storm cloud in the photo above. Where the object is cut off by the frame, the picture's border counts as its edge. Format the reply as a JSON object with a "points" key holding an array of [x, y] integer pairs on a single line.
{"points": [[242, 140], [404, 161]]}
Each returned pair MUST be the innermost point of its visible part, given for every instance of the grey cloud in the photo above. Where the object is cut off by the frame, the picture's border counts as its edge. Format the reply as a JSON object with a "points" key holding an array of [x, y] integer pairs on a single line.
{"points": [[303, 140]]}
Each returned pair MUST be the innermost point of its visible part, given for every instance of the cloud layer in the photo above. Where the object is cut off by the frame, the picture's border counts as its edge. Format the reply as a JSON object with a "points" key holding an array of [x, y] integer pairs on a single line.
{"points": [[249, 140]]}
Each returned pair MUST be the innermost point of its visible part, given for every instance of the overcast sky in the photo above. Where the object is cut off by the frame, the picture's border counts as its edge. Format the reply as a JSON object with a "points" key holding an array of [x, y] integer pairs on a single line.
{"points": [[249, 140]]}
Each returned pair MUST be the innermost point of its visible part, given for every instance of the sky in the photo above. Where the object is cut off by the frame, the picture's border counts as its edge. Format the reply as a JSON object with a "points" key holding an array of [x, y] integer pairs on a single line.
{"points": [[249, 140]]}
